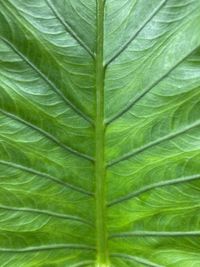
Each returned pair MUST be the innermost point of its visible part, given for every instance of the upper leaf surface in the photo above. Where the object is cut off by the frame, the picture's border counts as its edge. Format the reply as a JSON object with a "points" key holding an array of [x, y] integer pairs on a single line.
{"points": [[48, 118]]}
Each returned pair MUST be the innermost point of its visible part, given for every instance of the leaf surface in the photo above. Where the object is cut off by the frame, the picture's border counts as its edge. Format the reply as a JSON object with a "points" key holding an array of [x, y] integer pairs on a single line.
{"points": [[99, 133]]}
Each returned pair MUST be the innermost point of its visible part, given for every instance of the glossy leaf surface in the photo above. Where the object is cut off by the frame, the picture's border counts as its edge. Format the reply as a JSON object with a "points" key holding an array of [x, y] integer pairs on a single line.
{"points": [[99, 133]]}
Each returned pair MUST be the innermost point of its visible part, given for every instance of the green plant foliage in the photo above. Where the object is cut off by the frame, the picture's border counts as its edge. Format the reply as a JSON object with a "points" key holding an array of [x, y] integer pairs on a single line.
{"points": [[99, 133]]}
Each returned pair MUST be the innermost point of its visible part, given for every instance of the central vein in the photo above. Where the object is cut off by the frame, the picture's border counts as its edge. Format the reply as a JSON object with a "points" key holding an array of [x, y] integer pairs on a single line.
{"points": [[102, 249]]}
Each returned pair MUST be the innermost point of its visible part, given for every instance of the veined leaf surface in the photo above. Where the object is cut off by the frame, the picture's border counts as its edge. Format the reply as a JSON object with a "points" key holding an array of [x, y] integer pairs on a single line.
{"points": [[100, 144]]}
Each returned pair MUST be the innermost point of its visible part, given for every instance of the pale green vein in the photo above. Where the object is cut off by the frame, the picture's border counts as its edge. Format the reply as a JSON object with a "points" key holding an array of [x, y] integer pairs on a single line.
{"points": [[49, 82], [46, 134], [135, 259], [152, 144], [154, 186], [46, 213], [45, 175], [134, 101], [121, 50], [46, 248], [68, 27], [156, 234], [83, 263], [100, 172]]}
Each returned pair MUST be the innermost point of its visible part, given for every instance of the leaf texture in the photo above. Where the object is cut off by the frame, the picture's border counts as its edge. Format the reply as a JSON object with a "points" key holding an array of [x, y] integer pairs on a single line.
{"points": [[99, 133]]}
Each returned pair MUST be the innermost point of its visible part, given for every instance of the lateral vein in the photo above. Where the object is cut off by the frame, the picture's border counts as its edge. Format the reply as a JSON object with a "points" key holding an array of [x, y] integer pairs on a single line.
{"points": [[152, 144], [46, 134], [46, 212], [47, 176], [136, 259], [49, 82], [156, 10], [134, 101], [154, 186], [68, 27], [46, 248], [156, 234]]}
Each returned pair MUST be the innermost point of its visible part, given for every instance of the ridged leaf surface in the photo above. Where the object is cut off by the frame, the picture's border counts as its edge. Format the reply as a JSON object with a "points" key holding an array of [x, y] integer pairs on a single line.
{"points": [[99, 133]]}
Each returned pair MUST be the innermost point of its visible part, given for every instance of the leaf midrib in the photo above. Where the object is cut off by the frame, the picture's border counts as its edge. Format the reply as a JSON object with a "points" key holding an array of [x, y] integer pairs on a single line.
{"points": [[100, 166]]}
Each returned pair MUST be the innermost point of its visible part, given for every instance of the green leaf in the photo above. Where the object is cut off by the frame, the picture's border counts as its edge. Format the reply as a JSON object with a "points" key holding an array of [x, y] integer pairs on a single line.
{"points": [[99, 133]]}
